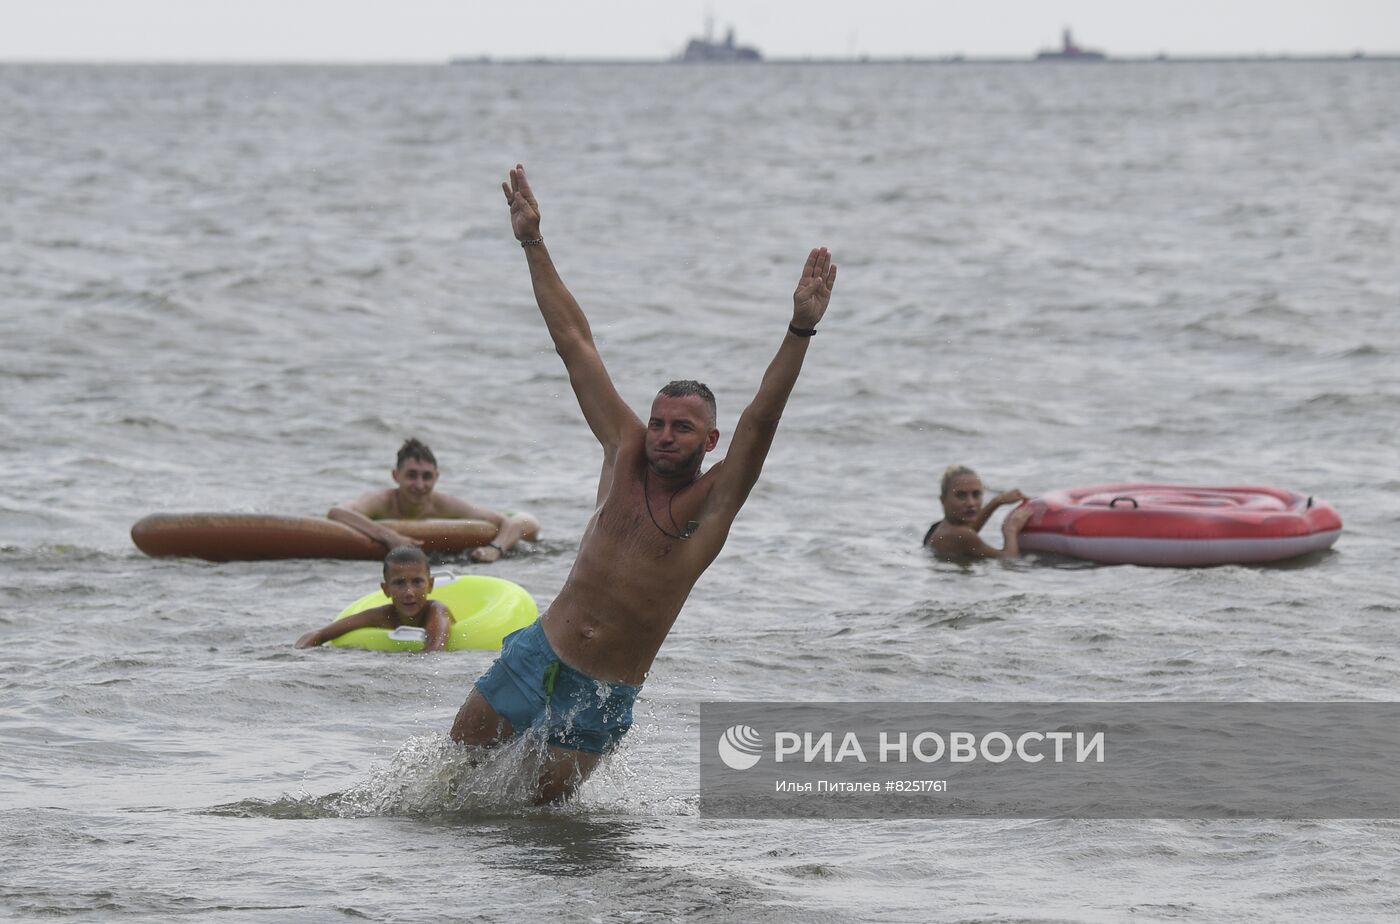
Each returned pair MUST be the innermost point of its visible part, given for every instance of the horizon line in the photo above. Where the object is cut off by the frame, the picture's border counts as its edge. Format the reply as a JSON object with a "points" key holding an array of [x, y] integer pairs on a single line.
{"points": [[956, 58]]}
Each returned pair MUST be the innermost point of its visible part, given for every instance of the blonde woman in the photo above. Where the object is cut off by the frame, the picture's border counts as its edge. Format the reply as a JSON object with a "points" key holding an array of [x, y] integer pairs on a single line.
{"points": [[964, 515]]}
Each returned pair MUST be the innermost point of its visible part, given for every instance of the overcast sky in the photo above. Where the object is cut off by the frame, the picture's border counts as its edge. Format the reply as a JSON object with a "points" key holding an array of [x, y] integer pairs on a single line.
{"points": [[435, 30]]}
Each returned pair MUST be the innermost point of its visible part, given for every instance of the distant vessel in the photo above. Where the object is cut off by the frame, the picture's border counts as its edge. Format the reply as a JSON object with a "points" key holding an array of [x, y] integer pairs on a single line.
{"points": [[1070, 52], [708, 50]]}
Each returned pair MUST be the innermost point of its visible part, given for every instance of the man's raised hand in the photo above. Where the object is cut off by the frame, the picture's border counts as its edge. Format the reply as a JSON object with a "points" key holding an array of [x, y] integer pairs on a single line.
{"points": [[813, 292], [524, 210]]}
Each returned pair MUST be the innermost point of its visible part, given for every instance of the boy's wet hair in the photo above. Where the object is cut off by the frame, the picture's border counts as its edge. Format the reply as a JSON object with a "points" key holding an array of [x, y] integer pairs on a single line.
{"points": [[684, 388], [413, 448], [404, 555]]}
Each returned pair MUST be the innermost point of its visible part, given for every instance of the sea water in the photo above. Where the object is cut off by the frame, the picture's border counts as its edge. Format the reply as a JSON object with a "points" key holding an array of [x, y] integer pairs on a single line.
{"points": [[240, 288]]}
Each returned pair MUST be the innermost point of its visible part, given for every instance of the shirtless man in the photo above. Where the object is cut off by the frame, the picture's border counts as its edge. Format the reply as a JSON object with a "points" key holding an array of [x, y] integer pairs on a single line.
{"points": [[416, 473], [659, 522], [955, 536]]}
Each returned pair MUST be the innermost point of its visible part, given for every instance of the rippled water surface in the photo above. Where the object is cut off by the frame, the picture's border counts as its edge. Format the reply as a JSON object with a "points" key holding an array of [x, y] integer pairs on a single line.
{"points": [[240, 289]]}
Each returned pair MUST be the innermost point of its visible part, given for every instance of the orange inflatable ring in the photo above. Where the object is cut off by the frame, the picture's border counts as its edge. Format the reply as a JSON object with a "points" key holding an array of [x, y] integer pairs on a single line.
{"points": [[262, 537]]}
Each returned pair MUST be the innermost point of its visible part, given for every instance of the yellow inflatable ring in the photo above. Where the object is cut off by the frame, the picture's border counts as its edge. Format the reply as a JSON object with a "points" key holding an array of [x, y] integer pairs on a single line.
{"points": [[484, 611]]}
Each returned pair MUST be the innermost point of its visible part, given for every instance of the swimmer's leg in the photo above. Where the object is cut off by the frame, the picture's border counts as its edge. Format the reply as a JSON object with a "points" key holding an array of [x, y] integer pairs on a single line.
{"points": [[520, 526], [478, 725], [563, 772]]}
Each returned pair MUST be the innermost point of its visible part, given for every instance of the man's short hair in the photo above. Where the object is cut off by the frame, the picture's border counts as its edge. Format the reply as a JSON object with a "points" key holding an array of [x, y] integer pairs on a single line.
{"points": [[684, 388], [404, 555], [412, 448]]}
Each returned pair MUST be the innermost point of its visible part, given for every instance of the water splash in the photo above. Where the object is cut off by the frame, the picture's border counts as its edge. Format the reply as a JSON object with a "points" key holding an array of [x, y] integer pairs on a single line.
{"points": [[431, 775]]}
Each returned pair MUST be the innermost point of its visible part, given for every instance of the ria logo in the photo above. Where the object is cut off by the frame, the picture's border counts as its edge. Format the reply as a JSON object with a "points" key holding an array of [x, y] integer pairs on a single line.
{"points": [[740, 747]]}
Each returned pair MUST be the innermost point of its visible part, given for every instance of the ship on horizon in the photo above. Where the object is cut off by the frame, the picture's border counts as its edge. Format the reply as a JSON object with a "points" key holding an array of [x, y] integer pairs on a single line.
{"points": [[707, 50], [1070, 51]]}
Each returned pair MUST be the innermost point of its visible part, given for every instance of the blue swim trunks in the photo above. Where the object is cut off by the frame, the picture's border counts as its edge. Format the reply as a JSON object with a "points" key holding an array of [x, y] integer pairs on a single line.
{"points": [[532, 689]]}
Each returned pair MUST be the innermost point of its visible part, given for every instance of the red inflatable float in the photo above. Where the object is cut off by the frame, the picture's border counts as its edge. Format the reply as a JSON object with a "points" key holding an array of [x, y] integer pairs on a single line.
{"points": [[1179, 525]]}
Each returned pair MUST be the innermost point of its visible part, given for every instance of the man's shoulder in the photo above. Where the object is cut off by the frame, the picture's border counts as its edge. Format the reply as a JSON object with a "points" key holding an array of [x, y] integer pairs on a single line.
{"points": [[377, 503], [712, 476], [448, 507]]}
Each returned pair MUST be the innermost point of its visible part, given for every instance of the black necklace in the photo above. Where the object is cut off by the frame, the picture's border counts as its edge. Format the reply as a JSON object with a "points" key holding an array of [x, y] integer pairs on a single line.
{"points": [[690, 525]]}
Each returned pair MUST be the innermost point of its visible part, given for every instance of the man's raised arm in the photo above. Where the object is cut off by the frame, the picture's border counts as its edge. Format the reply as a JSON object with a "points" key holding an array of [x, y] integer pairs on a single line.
{"points": [[754, 433], [607, 414]]}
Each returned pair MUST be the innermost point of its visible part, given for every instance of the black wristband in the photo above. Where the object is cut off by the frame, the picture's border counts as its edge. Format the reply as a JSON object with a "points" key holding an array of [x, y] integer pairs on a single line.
{"points": [[802, 331], [532, 242]]}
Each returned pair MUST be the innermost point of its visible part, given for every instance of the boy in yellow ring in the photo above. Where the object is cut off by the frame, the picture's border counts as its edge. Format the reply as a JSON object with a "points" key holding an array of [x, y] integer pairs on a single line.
{"points": [[407, 583]]}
